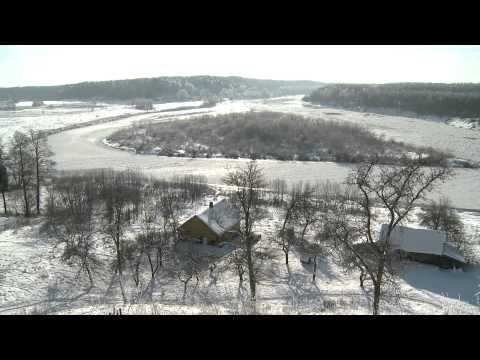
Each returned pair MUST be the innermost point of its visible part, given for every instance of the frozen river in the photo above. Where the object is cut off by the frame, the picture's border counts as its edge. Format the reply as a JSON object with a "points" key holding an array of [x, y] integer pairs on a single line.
{"points": [[83, 149]]}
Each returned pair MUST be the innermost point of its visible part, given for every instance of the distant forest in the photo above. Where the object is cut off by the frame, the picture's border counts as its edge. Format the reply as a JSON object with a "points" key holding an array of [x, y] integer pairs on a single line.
{"points": [[163, 89], [449, 100], [266, 135]]}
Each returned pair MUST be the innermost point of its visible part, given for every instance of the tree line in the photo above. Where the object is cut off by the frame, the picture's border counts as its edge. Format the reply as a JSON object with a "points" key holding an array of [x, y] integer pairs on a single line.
{"points": [[327, 219], [24, 169], [163, 89], [452, 100]]}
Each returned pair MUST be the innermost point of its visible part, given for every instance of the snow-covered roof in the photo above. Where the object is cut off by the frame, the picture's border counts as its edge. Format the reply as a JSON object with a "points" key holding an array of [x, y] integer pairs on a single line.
{"points": [[421, 241], [221, 217], [450, 251]]}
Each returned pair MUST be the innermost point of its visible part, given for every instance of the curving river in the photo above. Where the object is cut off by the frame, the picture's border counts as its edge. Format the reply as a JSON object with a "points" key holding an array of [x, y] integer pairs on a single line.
{"points": [[83, 148]]}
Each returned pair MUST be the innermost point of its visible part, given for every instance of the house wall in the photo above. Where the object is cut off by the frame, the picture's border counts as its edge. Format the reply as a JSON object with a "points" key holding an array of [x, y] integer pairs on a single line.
{"points": [[196, 229], [232, 233], [439, 260]]}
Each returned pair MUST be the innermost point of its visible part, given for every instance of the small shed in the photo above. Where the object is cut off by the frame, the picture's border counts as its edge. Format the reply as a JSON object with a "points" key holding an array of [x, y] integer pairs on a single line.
{"points": [[219, 222], [427, 246]]}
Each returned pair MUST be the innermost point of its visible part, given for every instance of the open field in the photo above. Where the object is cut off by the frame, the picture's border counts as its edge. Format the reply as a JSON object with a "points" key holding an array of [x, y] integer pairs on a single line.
{"points": [[61, 114]]}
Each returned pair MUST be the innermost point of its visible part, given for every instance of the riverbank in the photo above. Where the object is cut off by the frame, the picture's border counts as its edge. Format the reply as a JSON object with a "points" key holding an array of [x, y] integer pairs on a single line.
{"points": [[463, 123]]}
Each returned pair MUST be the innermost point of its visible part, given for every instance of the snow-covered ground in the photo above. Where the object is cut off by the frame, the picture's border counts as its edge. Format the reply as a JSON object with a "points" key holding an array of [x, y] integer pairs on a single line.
{"points": [[65, 113], [418, 131], [34, 280], [44, 118], [465, 123]]}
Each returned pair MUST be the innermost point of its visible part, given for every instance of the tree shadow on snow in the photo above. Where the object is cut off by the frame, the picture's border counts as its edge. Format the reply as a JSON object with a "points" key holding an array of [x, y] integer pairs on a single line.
{"points": [[454, 284], [325, 271]]}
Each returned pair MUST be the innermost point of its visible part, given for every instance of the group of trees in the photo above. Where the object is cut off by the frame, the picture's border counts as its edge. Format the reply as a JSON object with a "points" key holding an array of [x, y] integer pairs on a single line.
{"points": [[24, 168], [246, 183], [341, 220], [260, 135], [453, 100], [439, 215], [163, 89], [90, 214]]}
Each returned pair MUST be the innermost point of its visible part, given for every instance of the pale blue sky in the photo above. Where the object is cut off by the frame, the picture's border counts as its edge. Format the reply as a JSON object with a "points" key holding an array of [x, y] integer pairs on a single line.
{"points": [[57, 64]]}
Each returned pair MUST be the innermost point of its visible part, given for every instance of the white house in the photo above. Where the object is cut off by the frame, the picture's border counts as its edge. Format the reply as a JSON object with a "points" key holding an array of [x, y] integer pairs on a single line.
{"points": [[429, 246]]}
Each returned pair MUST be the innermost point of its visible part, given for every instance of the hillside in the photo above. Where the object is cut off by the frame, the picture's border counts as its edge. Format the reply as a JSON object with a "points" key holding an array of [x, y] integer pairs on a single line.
{"points": [[265, 135], [162, 89], [444, 100]]}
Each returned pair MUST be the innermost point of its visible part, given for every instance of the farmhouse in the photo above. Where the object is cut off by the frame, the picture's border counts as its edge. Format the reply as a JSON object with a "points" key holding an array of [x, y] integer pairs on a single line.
{"points": [[219, 222], [427, 246]]}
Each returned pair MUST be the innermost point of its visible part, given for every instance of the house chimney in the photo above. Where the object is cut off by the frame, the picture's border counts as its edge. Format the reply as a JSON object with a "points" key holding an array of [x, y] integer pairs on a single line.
{"points": [[210, 210]]}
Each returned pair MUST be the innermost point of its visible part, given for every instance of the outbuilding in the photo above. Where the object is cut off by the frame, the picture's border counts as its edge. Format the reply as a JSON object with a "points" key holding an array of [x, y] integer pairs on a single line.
{"points": [[426, 246]]}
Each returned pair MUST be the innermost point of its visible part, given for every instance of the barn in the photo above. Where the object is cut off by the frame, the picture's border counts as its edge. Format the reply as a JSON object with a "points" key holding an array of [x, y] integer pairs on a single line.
{"points": [[426, 246], [218, 223]]}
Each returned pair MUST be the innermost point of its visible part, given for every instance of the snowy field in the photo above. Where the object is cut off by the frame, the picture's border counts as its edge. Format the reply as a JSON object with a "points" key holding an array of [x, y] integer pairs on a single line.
{"points": [[34, 280], [59, 114]]}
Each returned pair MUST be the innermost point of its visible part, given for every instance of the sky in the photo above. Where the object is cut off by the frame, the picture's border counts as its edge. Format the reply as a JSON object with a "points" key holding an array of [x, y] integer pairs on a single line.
{"points": [[28, 65]]}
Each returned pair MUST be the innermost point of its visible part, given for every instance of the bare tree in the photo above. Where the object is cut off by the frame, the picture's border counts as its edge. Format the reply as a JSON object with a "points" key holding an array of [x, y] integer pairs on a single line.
{"points": [[21, 164], [246, 183], [307, 210], [70, 217], [152, 245], [279, 189], [171, 207], [236, 261], [187, 265], [288, 210], [441, 216], [3, 175], [133, 257], [42, 165], [4, 185], [313, 248], [395, 188], [121, 193]]}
